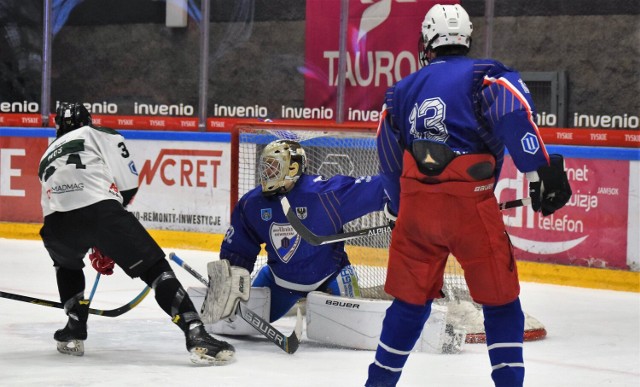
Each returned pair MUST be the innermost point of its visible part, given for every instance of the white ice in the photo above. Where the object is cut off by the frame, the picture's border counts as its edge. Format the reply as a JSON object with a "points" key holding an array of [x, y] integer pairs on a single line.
{"points": [[593, 340]]}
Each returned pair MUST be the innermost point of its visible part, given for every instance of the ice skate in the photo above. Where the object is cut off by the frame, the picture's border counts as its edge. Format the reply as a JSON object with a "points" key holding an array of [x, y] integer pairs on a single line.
{"points": [[70, 339], [204, 349], [207, 350]]}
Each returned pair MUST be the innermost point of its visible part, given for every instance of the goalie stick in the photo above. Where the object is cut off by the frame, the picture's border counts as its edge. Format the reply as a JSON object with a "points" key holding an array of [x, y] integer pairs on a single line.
{"points": [[288, 344], [317, 240], [100, 312]]}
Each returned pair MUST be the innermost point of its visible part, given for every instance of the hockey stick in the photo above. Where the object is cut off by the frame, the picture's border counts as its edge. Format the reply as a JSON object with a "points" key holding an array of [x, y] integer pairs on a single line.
{"points": [[317, 240], [288, 344], [515, 203], [95, 286], [100, 312]]}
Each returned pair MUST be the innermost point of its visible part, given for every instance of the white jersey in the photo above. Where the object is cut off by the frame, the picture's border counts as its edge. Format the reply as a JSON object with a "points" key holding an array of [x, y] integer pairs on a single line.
{"points": [[83, 167]]}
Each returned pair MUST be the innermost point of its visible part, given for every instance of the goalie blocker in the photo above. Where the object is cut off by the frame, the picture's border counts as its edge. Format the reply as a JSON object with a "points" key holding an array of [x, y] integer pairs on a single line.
{"points": [[357, 323]]}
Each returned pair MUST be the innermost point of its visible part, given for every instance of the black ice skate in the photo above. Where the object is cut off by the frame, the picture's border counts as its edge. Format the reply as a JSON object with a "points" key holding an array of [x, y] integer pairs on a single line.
{"points": [[204, 349], [70, 339]]}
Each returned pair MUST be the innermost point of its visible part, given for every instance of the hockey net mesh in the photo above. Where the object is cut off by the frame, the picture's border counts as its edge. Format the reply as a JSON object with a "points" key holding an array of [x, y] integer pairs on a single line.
{"points": [[352, 151]]}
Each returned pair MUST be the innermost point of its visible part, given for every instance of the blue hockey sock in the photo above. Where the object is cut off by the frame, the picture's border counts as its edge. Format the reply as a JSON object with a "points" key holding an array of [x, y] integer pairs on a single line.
{"points": [[504, 326], [401, 328]]}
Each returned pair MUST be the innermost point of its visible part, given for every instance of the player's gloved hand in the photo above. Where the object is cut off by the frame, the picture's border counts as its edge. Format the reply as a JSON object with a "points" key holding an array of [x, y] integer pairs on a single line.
{"points": [[552, 190], [102, 263], [391, 217]]}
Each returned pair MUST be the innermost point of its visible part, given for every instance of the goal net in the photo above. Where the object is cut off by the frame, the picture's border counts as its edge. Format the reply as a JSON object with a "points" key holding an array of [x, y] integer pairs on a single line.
{"points": [[350, 149]]}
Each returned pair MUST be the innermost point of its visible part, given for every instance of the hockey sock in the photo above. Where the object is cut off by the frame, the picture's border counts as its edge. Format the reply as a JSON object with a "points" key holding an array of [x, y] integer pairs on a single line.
{"points": [[170, 294], [504, 327], [70, 283], [401, 328]]}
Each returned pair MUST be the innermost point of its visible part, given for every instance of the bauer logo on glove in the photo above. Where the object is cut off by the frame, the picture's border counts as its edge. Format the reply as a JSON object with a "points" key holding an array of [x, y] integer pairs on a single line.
{"points": [[102, 263]]}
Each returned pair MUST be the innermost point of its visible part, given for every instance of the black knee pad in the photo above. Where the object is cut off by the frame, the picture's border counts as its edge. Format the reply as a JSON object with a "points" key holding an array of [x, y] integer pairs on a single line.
{"points": [[169, 293], [154, 271]]}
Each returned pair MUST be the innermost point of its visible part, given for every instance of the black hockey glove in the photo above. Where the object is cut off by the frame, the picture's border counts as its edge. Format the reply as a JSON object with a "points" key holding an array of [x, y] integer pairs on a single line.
{"points": [[552, 191], [391, 217]]}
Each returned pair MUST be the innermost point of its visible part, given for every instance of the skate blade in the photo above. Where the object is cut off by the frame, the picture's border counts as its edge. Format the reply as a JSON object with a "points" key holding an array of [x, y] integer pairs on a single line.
{"points": [[72, 347], [200, 357]]}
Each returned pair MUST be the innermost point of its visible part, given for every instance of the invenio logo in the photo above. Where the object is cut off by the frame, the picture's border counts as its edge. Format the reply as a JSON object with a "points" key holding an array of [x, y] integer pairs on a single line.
{"points": [[183, 167]]}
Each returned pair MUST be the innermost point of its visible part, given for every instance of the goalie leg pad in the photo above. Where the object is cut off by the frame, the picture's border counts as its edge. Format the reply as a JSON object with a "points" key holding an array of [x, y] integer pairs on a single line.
{"points": [[228, 285], [259, 303], [357, 323]]}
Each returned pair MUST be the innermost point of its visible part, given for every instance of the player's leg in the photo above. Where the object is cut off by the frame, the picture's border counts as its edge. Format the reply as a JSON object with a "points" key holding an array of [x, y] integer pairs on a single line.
{"points": [[414, 278], [126, 241], [401, 328], [66, 246], [344, 284], [504, 327], [282, 300], [492, 277]]}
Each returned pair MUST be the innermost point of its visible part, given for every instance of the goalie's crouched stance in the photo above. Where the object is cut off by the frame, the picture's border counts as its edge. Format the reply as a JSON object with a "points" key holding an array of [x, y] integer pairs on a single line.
{"points": [[342, 318], [117, 234]]}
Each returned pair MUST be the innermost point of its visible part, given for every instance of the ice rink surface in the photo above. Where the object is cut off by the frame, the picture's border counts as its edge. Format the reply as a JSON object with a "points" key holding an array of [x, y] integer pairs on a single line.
{"points": [[593, 340]]}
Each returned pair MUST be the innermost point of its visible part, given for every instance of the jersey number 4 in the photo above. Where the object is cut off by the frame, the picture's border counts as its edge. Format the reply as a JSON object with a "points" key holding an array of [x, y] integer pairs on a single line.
{"points": [[72, 159]]}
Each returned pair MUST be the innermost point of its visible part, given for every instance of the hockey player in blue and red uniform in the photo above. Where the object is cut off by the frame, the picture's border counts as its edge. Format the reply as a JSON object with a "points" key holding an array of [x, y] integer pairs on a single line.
{"points": [[441, 142], [294, 267]]}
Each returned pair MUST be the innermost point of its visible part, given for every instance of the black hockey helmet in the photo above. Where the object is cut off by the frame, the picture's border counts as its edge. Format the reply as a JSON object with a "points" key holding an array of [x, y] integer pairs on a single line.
{"points": [[71, 116]]}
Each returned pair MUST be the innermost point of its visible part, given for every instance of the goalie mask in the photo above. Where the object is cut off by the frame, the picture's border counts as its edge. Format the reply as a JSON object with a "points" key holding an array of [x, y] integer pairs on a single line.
{"points": [[71, 116], [281, 164], [445, 25]]}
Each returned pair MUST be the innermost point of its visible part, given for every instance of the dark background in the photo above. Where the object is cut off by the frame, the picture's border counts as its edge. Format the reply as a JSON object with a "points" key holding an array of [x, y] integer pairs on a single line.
{"points": [[120, 51]]}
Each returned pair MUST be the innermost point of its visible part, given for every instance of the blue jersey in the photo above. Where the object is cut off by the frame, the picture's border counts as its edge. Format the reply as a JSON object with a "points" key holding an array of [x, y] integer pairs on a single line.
{"points": [[323, 205], [471, 105]]}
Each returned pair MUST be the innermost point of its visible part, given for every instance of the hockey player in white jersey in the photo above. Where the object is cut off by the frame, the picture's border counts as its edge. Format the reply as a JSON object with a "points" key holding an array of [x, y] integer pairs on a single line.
{"points": [[88, 178]]}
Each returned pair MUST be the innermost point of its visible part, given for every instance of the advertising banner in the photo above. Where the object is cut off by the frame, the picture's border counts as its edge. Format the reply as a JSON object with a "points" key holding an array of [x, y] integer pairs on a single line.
{"points": [[381, 45], [19, 184], [184, 178], [589, 231], [184, 185]]}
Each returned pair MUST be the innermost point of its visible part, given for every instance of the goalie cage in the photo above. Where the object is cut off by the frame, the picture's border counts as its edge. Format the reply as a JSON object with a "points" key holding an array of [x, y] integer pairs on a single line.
{"points": [[350, 149]]}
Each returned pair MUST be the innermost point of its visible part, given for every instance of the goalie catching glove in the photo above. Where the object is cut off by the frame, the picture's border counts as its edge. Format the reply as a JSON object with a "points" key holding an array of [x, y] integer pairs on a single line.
{"points": [[549, 187], [102, 263], [228, 285]]}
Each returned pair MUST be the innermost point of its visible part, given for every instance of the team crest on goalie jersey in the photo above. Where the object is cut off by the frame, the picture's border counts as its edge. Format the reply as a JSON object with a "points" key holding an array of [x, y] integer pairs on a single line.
{"points": [[301, 212], [284, 239], [266, 214]]}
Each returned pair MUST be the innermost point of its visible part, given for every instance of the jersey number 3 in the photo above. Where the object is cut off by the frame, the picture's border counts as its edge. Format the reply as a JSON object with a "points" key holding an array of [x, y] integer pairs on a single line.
{"points": [[74, 158]]}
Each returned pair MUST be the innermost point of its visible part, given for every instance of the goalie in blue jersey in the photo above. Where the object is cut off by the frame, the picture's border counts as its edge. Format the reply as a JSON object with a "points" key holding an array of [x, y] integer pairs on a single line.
{"points": [[294, 267]]}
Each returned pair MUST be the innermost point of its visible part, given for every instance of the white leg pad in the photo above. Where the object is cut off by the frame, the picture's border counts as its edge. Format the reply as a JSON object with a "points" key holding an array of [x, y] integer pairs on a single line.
{"points": [[259, 302], [357, 323]]}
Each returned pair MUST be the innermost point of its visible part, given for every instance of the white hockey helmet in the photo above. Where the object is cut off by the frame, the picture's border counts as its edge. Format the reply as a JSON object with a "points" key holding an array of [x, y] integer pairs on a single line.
{"points": [[281, 164], [446, 25]]}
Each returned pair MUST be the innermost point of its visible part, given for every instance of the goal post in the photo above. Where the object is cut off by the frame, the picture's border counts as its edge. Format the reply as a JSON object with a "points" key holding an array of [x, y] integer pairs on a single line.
{"points": [[350, 149]]}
